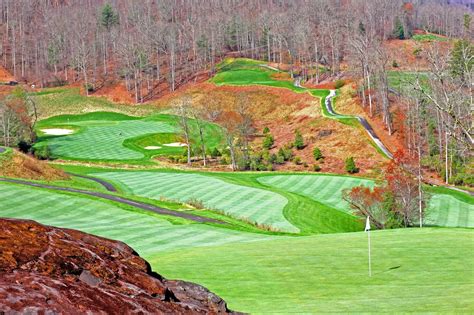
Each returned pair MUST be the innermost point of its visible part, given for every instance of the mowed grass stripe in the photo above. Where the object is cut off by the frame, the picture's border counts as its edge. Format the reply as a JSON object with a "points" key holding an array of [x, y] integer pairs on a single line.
{"points": [[446, 210], [322, 188], [443, 209], [239, 201], [146, 233], [105, 142]]}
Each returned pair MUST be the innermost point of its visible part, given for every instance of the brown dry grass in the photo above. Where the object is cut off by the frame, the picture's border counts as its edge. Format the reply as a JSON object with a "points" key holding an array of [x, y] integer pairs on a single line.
{"points": [[20, 165], [284, 112]]}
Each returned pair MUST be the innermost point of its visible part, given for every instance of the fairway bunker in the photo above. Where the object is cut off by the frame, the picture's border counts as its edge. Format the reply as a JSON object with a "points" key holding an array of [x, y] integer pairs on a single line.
{"points": [[57, 131], [152, 147], [175, 144]]}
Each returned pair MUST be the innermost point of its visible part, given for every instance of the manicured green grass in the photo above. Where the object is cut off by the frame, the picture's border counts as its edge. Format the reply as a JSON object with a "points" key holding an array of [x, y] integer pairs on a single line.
{"points": [[249, 72], [147, 233], [446, 208], [107, 136], [414, 270], [325, 189], [257, 205]]}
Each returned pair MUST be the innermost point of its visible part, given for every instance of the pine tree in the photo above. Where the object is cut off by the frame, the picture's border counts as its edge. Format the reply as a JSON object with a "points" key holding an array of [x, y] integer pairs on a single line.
{"points": [[351, 166], [317, 154], [109, 17], [399, 31], [299, 141]]}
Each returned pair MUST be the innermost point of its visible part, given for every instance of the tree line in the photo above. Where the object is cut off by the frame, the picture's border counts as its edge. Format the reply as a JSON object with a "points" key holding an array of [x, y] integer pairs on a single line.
{"points": [[157, 45]]}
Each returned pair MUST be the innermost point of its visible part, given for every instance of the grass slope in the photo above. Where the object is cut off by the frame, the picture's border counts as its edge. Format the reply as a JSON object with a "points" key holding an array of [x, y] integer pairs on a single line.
{"points": [[322, 188], [257, 205], [427, 270], [147, 233], [446, 208]]}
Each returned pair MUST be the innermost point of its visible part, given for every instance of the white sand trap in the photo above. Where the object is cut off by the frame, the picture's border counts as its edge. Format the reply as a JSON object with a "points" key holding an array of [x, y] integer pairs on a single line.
{"points": [[175, 144], [57, 131], [152, 147]]}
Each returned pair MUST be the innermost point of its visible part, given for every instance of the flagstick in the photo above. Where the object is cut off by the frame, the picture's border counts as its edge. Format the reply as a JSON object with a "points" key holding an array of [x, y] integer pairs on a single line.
{"points": [[370, 262]]}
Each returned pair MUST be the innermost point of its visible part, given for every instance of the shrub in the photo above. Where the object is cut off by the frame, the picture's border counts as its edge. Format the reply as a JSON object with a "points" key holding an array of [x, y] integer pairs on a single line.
{"points": [[215, 153], [285, 153], [395, 64], [195, 203], [268, 142], [266, 130], [339, 84], [272, 158], [24, 146], [297, 160], [280, 159], [351, 166], [42, 152], [299, 141], [270, 167], [89, 87], [317, 154], [417, 52], [316, 168]]}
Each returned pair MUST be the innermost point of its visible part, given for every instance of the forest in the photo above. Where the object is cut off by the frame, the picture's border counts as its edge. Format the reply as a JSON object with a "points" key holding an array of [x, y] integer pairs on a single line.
{"points": [[155, 47]]}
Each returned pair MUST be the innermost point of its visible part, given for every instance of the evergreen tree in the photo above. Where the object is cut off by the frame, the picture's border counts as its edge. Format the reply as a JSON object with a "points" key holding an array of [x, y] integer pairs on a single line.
{"points": [[317, 154], [109, 17], [399, 31], [299, 141], [268, 141], [462, 59], [351, 166]]}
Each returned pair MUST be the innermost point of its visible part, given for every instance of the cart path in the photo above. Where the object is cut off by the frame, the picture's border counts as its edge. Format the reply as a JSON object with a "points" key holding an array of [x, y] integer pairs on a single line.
{"points": [[102, 182], [122, 200]]}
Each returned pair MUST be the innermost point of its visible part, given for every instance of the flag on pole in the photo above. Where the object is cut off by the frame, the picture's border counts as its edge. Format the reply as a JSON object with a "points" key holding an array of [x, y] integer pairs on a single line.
{"points": [[367, 224], [367, 229]]}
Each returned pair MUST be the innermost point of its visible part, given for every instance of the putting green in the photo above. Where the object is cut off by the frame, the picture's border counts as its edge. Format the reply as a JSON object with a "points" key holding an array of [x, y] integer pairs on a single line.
{"points": [[414, 270], [147, 234], [257, 205]]}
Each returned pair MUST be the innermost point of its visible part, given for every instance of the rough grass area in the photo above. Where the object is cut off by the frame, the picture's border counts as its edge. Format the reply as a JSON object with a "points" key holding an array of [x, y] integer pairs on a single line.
{"points": [[257, 205], [106, 136], [402, 81], [429, 38], [63, 101], [428, 270], [146, 233]]}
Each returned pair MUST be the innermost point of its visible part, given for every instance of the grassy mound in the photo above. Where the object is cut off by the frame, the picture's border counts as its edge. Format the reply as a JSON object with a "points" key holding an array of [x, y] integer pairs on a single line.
{"points": [[18, 165]]}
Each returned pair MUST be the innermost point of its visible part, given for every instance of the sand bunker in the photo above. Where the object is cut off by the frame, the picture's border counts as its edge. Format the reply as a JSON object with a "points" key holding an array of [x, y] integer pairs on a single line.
{"points": [[175, 144], [57, 131], [152, 147]]}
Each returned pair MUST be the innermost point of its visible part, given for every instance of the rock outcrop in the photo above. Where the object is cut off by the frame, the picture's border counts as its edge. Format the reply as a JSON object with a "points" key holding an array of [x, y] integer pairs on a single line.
{"points": [[48, 270]]}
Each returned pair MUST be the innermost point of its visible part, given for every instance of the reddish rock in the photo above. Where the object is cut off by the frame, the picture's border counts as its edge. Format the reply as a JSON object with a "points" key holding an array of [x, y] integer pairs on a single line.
{"points": [[49, 270]]}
